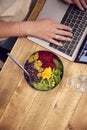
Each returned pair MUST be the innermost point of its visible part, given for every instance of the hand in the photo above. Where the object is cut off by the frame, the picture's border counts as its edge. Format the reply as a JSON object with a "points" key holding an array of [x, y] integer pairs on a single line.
{"points": [[82, 4], [49, 30]]}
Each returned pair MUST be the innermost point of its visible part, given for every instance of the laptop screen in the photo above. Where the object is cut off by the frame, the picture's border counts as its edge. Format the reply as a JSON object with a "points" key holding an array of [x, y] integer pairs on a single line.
{"points": [[82, 55]]}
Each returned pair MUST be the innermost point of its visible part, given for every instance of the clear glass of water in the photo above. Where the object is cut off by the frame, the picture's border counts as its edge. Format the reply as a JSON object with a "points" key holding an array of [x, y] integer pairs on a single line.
{"points": [[78, 82]]}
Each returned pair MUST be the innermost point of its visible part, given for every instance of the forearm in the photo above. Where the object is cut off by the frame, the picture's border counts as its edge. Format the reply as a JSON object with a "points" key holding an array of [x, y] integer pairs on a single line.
{"points": [[11, 29], [46, 29]]}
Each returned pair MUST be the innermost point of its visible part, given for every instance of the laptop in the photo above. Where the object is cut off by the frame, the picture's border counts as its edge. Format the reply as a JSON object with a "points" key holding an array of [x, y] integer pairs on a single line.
{"points": [[69, 15]]}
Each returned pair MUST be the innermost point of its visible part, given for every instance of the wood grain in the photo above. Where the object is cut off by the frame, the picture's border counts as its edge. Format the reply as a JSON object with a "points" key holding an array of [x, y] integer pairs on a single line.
{"points": [[23, 108]]}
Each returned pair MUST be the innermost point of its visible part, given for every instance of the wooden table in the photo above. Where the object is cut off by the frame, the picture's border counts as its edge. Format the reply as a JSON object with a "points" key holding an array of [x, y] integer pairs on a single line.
{"points": [[23, 108]]}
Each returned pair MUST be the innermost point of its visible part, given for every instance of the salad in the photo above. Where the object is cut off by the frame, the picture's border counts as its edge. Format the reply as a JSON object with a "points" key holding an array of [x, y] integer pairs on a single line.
{"points": [[45, 70]]}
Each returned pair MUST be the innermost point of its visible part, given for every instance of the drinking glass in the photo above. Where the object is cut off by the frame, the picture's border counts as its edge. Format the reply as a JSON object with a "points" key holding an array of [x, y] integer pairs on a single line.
{"points": [[78, 82]]}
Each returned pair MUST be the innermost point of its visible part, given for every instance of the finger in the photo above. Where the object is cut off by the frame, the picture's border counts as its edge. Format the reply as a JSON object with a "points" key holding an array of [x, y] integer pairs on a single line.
{"points": [[84, 3], [51, 39], [78, 3], [58, 37], [64, 33], [55, 42], [63, 27], [62, 38]]}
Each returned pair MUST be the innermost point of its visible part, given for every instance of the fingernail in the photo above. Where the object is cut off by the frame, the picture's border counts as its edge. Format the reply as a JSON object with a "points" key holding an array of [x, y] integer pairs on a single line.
{"points": [[60, 44], [70, 39], [82, 9], [70, 29]]}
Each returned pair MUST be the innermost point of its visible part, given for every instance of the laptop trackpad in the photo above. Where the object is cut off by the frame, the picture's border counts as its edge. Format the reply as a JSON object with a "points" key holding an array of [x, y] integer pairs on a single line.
{"points": [[54, 9]]}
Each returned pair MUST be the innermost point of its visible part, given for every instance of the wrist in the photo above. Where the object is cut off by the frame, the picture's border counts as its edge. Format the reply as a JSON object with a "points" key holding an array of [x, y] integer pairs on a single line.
{"points": [[26, 28]]}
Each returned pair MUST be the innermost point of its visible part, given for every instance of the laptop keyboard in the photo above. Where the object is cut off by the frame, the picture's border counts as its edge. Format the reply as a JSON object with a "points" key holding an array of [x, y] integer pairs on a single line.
{"points": [[77, 20]]}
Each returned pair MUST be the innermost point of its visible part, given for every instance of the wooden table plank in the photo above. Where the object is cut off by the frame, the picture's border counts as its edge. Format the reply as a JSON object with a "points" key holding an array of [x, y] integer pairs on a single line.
{"points": [[64, 111], [7, 88], [23, 107], [79, 118]]}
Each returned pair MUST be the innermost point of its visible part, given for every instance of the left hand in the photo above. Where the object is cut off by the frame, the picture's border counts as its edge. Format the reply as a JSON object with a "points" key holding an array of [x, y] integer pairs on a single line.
{"points": [[82, 4]]}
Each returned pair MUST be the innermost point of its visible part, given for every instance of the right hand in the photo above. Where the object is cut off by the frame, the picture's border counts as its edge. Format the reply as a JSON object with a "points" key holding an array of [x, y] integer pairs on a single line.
{"points": [[82, 4], [49, 30]]}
